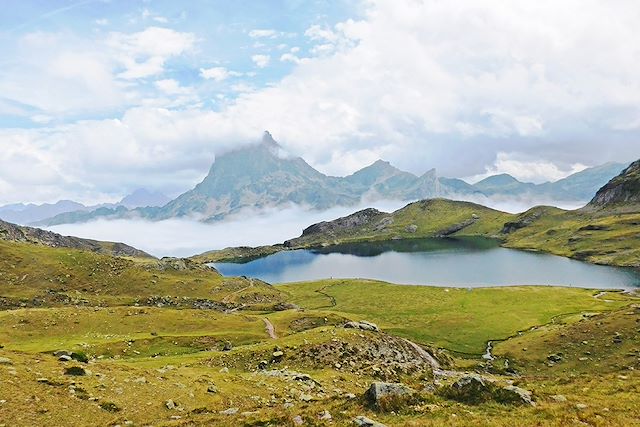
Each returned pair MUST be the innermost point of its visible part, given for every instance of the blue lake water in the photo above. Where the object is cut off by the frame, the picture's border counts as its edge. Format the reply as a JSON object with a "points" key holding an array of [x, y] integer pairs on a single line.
{"points": [[469, 262]]}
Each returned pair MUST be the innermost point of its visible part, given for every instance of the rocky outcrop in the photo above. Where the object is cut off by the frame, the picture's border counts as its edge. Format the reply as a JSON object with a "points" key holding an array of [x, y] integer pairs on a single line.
{"points": [[329, 229], [474, 390], [622, 190], [18, 233], [379, 355], [363, 325], [388, 396], [524, 219]]}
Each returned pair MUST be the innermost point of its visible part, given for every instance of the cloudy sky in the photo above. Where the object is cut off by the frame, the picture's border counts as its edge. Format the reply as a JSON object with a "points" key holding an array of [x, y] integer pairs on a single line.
{"points": [[100, 97]]}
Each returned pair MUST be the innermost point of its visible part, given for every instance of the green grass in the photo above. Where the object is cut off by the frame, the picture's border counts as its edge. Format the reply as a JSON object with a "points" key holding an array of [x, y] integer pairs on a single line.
{"points": [[30, 271], [460, 320], [431, 217], [602, 238], [143, 356]]}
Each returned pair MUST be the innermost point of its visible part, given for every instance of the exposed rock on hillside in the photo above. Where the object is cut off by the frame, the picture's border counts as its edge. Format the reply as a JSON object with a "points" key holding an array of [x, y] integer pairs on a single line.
{"points": [[331, 229], [17, 233], [622, 190]]}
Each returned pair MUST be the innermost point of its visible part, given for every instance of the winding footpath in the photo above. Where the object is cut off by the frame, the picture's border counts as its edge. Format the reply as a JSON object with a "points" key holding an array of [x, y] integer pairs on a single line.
{"points": [[271, 330]]}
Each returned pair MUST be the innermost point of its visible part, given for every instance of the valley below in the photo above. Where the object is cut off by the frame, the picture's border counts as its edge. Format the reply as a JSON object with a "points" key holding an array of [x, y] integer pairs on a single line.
{"points": [[100, 333]]}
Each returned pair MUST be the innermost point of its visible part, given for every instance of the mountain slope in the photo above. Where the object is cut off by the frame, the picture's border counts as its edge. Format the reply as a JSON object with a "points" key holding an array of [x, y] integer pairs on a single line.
{"points": [[425, 218], [16, 233], [25, 214], [603, 232], [261, 175], [622, 191], [257, 176], [142, 198]]}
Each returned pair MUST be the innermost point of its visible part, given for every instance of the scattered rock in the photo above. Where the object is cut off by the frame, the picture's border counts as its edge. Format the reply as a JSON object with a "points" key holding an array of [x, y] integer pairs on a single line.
{"points": [[581, 406], [325, 416], [110, 407], [471, 389], [283, 306], [558, 398], [170, 404], [363, 325], [305, 397], [230, 411], [75, 371], [514, 395], [474, 389], [363, 421], [555, 358], [388, 396], [65, 358], [212, 389], [262, 365], [277, 355], [411, 228], [297, 420], [227, 346], [224, 370], [5, 361]]}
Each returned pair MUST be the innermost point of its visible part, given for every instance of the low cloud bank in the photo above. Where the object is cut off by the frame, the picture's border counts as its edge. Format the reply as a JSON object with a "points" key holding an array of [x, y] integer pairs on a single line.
{"points": [[185, 237]]}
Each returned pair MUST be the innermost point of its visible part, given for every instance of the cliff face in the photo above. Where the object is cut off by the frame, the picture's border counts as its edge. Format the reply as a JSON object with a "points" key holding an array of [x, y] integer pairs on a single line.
{"points": [[623, 191]]}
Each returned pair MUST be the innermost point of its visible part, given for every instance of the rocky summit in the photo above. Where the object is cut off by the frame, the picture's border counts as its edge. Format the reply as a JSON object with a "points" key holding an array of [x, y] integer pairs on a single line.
{"points": [[624, 189]]}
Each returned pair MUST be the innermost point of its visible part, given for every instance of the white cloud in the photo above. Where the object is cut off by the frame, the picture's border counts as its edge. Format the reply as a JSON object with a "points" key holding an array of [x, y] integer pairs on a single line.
{"points": [[263, 33], [217, 74], [261, 61], [179, 237], [144, 53], [423, 84], [59, 74], [289, 57], [172, 87], [528, 170]]}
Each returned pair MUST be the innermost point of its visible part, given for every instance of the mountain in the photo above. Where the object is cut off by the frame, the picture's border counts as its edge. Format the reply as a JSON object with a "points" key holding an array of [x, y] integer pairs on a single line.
{"points": [[262, 175], [584, 184], [578, 187], [258, 176], [66, 212], [141, 198], [623, 191], [17, 233], [503, 184], [25, 214]]}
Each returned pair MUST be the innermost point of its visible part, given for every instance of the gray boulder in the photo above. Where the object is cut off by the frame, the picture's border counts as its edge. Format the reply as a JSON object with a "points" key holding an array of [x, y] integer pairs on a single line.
{"points": [[514, 395], [363, 421], [363, 325], [470, 389], [474, 390], [411, 228], [388, 396]]}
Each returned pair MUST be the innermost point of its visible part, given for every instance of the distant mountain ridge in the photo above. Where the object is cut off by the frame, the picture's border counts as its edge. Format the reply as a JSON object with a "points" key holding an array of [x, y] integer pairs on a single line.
{"points": [[261, 175], [70, 211]]}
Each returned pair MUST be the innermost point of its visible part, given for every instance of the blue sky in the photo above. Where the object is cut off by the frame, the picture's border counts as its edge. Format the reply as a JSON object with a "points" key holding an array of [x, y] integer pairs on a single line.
{"points": [[98, 98], [226, 35]]}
